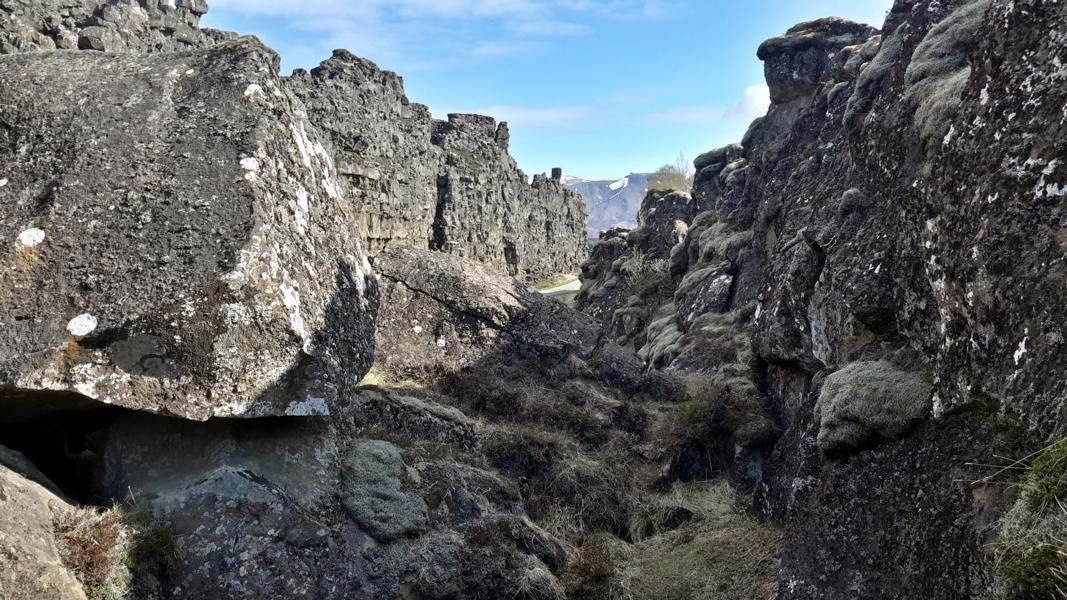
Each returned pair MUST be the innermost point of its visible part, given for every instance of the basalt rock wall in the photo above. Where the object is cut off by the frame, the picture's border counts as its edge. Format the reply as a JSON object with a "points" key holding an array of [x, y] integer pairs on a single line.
{"points": [[451, 186], [889, 239]]}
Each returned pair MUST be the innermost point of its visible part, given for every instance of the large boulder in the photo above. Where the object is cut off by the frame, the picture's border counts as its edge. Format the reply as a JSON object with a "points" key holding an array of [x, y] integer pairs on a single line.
{"points": [[442, 313], [796, 64], [176, 237]]}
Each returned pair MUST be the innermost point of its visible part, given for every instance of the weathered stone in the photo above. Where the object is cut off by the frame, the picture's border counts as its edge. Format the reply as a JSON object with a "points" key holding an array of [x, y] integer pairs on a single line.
{"points": [[382, 145], [442, 313], [33, 568], [447, 185], [186, 250], [118, 26], [403, 412], [487, 211], [798, 62]]}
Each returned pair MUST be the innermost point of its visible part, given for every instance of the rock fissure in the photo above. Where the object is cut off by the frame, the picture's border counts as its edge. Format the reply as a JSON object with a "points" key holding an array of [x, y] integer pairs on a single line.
{"points": [[786, 381]]}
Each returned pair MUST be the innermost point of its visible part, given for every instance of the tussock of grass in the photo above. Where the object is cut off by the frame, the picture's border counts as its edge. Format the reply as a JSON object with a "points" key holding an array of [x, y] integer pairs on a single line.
{"points": [[1031, 550], [718, 554], [722, 555], [91, 543]]}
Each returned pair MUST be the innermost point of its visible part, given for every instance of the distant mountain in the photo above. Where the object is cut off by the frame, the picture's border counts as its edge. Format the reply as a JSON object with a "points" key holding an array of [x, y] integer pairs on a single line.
{"points": [[612, 203]]}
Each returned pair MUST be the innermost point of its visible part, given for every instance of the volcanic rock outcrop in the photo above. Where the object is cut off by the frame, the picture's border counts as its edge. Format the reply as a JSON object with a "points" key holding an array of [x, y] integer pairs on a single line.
{"points": [[888, 242], [450, 186], [185, 249], [121, 26], [185, 237]]}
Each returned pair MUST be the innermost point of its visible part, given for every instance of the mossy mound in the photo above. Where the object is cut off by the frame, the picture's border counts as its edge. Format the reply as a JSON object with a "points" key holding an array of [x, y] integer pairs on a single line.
{"points": [[867, 401], [371, 492]]}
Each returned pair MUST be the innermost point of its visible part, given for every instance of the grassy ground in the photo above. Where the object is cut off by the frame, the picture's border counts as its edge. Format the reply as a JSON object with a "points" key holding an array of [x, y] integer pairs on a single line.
{"points": [[722, 554], [555, 282]]}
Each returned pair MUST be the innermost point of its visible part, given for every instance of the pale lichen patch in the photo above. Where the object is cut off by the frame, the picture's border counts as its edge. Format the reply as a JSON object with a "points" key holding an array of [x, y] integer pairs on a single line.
{"points": [[1021, 350], [251, 166], [311, 407], [31, 238], [253, 91], [82, 325]]}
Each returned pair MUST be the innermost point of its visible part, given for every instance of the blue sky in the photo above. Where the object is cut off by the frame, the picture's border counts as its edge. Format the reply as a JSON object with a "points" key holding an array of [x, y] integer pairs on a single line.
{"points": [[601, 88]]}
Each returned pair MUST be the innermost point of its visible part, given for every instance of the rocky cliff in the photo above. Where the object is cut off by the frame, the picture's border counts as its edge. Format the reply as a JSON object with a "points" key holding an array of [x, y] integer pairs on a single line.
{"points": [[446, 185], [409, 179], [887, 240]]}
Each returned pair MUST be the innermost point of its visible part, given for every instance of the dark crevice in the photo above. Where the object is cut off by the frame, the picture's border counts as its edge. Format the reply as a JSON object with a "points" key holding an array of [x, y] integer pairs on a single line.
{"points": [[440, 229], [60, 433]]}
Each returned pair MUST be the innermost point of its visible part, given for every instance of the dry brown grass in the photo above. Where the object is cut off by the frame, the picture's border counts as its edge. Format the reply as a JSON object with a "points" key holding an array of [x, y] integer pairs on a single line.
{"points": [[722, 555], [90, 543]]}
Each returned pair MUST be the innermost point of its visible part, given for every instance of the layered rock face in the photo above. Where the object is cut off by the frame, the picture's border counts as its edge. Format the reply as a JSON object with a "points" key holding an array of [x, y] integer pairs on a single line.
{"points": [[450, 186], [486, 211], [888, 238]]}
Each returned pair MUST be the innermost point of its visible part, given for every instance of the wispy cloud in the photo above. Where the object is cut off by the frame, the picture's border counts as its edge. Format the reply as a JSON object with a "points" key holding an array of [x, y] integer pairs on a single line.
{"points": [[529, 116], [609, 111], [754, 104], [408, 33]]}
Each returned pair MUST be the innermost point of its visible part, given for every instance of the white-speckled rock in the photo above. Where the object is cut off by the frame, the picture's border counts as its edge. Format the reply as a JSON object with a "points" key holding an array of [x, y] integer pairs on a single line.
{"points": [[186, 250]]}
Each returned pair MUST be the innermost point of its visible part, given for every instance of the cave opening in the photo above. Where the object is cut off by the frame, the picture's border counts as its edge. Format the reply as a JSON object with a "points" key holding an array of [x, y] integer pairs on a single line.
{"points": [[60, 433]]}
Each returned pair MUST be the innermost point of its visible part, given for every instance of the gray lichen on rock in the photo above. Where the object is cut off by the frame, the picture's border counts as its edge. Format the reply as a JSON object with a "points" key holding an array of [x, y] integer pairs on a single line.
{"points": [[867, 401]]}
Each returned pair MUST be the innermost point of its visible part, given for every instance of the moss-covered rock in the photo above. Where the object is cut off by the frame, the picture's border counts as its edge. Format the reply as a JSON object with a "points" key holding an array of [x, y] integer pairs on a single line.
{"points": [[939, 70], [370, 491], [867, 401]]}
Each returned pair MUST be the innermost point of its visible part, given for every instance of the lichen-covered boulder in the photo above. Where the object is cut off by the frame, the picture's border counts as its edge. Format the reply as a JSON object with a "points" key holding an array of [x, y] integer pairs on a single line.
{"points": [[174, 238]]}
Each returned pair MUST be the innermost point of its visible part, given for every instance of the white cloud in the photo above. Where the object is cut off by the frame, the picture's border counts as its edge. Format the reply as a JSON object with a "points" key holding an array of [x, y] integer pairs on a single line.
{"points": [[757, 99], [528, 116], [547, 27], [410, 34]]}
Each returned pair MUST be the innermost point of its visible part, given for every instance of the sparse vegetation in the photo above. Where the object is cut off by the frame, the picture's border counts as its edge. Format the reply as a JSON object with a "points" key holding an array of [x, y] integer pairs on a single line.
{"points": [[721, 553], [677, 175], [376, 377], [1031, 550], [91, 544]]}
